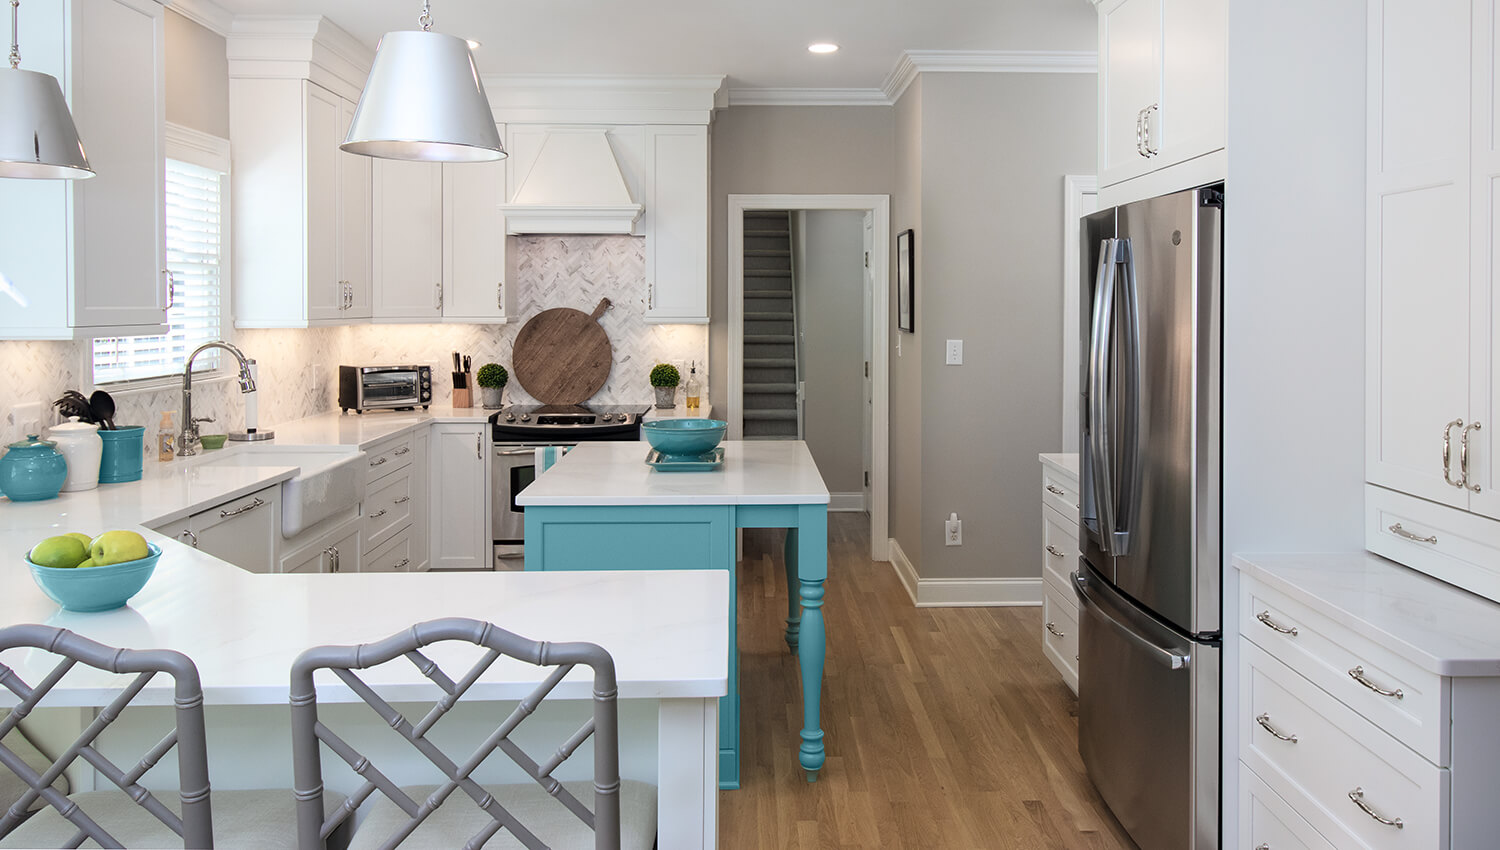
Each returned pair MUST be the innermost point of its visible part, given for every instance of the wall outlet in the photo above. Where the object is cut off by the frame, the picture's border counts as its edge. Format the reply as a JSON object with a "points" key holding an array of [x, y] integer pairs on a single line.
{"points": [[955, 352], [953, 531]]}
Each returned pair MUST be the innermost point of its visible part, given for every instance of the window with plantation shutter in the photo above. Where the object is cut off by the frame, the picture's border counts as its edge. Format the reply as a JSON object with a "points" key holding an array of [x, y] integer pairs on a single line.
{"points": [[195, 234]]}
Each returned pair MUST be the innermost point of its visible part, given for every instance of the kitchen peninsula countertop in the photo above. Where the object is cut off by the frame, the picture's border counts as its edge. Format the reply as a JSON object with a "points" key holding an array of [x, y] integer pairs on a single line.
{"points": [[758, 472]]}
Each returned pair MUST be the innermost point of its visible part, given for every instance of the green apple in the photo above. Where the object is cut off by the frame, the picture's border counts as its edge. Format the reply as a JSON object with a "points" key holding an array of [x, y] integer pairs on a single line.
{"points": [[114, 547], [88, 563], [61, 551], [85, 539]]}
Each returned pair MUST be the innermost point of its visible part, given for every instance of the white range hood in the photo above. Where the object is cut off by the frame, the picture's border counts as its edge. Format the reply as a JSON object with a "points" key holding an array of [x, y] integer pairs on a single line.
{"points": [[573, 186]]}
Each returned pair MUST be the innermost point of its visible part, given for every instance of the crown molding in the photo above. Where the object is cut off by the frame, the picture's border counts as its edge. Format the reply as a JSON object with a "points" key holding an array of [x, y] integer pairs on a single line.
{"points": [[620, 99], [914, 62], [308, 47], [205, 14], [807, 97]]}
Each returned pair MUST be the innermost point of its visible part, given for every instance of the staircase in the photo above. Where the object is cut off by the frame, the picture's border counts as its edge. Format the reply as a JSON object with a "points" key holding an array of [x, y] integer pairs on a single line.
{"points": [[770, 341]]}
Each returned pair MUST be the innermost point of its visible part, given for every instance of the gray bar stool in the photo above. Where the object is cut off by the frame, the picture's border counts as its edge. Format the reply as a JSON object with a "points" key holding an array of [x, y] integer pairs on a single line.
{"points": [[136, 817], [545, 814]]}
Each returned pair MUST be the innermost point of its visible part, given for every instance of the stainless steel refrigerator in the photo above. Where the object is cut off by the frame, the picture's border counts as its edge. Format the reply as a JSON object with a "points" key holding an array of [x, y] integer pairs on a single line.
{"points": [[1148, 580]]}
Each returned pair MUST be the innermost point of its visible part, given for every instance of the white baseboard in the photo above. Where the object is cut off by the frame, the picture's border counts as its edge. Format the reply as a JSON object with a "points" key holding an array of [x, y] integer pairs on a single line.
{"points": [[847, 502], [963, 592]]}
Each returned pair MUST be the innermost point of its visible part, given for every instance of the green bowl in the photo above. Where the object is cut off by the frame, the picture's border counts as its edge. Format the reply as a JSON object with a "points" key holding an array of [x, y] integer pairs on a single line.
{"points": [[213, 441], [680, 438]]}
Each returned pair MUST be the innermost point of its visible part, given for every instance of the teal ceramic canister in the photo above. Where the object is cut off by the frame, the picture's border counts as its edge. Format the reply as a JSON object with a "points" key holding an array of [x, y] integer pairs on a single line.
{"points": [[31, 470], [124, 450]]}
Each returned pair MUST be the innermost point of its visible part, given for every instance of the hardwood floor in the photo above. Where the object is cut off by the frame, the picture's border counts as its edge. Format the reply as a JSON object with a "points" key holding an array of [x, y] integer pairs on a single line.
{"points": [[945, 727]]}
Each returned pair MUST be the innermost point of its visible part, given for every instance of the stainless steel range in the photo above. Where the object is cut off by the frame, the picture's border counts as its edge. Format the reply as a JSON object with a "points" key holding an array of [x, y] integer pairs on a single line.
{"points": [[517, 432]]}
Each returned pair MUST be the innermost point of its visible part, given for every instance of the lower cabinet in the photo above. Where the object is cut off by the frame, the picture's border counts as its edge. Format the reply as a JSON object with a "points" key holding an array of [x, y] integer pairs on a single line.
{"points": [[1059, 560], [395, 556], [333, 551], [459, 497], [244, 531]]}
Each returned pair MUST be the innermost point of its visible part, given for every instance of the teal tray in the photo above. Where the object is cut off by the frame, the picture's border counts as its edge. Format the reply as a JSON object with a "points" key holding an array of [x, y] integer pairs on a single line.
{"points": [[701, 463]]}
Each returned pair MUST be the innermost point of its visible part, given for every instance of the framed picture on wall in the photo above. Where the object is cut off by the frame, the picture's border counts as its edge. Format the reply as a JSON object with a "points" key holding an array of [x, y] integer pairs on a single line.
{"points": [[905, 279]]}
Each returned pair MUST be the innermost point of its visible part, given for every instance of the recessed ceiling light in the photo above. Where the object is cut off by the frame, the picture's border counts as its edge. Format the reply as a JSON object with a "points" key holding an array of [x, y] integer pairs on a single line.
{"points": [[822, 47], [473, 45]]}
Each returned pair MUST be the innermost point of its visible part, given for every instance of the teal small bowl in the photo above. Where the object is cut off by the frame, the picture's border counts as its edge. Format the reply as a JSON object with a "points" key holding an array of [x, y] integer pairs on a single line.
{"points": [[684, 437], [95, 588], [213, 441]]}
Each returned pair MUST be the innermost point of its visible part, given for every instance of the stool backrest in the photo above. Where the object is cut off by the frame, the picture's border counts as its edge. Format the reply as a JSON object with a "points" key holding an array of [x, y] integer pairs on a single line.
{"points": [[307, 731], [195, 825]]}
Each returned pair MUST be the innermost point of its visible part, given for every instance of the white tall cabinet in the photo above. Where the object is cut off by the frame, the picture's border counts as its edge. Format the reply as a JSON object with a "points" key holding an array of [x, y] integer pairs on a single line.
{"points": [[84, 258], [676, 224], [459, 497], [1432, 223]]}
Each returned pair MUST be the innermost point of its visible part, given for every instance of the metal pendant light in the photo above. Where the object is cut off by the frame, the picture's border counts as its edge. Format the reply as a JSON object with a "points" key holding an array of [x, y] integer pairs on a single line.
{"points": [[424, 101], [37, 136]]}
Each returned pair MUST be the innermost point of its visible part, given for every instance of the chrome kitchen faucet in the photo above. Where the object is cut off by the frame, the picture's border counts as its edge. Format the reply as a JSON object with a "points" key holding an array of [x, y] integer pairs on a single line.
{"points": [[187, 441]]}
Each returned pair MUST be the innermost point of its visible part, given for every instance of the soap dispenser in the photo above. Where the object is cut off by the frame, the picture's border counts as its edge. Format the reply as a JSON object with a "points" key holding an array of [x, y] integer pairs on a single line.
{"points": [[694, 389], [166, 441]]}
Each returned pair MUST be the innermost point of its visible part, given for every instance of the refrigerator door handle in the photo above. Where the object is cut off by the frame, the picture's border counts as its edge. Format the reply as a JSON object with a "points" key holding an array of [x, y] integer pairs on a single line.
{"points": [[1098, 442], [1129, 440], [1159, 654]]}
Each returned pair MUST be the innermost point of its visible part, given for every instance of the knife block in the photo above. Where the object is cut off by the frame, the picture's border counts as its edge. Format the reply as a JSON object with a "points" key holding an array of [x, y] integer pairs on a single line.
{"points": [[462, 395]]}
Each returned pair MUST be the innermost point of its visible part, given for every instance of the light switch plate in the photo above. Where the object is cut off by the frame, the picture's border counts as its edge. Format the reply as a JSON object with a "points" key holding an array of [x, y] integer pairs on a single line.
{"points": [[23, 419], [955, 352]]}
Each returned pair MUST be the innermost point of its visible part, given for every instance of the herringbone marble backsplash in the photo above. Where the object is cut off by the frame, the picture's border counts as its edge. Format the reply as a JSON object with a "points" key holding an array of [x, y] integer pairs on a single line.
{"points": [[298, 368]]}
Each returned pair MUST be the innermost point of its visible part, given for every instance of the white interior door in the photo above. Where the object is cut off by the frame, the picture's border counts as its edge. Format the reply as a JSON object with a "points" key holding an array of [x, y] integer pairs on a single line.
{"points": [[869, 394]]}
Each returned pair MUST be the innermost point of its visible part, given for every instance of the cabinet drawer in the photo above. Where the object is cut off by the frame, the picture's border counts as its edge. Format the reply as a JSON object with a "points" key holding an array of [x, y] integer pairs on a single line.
{"points": [[393, 557], [1061, 492], [334, 551], [389, 456], [1060, 632], [1270, 822], [386, 508], [1330, 656], [1337, 754], [1456, 546], [1059, 549]]}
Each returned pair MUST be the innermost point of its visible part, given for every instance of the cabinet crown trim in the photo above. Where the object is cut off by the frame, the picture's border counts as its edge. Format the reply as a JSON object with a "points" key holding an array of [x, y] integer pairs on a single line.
{"points": [[913, 62]]}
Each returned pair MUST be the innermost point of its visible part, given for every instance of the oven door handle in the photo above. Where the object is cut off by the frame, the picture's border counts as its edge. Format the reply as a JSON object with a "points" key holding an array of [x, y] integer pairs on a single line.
{"points": [[515, 452]]}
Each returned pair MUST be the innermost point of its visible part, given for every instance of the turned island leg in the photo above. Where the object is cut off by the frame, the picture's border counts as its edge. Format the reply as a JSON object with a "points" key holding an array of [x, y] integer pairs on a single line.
{"points": [[793, 592], [812, 572]]}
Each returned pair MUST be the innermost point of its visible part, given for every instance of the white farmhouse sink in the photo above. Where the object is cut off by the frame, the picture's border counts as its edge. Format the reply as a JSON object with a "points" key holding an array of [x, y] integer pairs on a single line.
{"points": [[329, 479]]}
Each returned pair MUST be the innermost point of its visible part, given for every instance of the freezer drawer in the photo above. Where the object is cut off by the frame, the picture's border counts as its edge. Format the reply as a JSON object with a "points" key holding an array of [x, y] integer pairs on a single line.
{"points": [[1148, 720]]}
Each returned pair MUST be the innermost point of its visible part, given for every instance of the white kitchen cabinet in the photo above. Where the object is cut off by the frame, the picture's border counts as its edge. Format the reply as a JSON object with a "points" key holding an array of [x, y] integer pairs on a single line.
{"points": [[419, 532], [87, 257], [1059, 560], [478, 264], [392, 497], [459, 502], [408, 240], [336, 550], [244, 531], [1432, 229], [300, 207], [676, 224], [1162, 84]]}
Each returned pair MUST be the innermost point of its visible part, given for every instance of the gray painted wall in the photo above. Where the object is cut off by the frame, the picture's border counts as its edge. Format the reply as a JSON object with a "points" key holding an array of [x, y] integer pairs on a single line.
{"points": [[828, 263], [197, 77], [906, 349], [791, 150], [994, 149]]}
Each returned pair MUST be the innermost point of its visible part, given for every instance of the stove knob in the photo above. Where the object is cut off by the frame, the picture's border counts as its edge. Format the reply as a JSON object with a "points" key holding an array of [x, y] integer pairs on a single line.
{"points": [[510, 417], [526, 417], [609, 417]]}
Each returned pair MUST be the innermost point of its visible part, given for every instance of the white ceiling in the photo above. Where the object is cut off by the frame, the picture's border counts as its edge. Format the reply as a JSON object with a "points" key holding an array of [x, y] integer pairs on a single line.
{"points": [[756, 44]]}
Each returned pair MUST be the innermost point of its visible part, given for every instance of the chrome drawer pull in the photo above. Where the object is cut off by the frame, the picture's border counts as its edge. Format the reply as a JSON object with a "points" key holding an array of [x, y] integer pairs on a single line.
{"points": [[378, 461], [190, 537], [1053, 551], [1401, 532], [1056, 491], [378, 514], [1265, 617], [401, 501], [1053, 629], [401, 563], [1262, 846], [402, 451], [1358, 675], [1358, 796], [237, 511], [1265, 723]]}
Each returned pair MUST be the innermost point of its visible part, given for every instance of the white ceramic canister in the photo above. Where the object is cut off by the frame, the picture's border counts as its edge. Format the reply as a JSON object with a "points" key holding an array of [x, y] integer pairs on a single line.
{"points": [[82, 447]]}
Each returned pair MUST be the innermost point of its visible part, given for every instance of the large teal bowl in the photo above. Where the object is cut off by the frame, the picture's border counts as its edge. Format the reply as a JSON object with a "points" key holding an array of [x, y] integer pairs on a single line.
{"points": [[95, 588], [684, 437]]}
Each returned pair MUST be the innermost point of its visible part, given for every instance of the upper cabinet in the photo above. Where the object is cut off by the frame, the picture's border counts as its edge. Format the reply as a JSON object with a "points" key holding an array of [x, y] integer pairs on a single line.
{"points": [[676, 225], [1432, 228], [301, 207], [85, 258], [1162, 84]]}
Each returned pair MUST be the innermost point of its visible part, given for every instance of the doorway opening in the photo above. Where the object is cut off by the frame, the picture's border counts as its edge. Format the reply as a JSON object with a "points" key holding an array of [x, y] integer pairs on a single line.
{"points": [[808, 307]]}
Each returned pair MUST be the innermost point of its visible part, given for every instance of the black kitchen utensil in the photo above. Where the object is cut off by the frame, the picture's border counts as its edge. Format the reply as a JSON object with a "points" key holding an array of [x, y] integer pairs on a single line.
{"points": [[73, 403], [103, 407]]}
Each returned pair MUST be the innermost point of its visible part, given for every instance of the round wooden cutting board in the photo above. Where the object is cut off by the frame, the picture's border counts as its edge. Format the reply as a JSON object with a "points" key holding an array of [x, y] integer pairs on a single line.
{"points": [[562, 355]]}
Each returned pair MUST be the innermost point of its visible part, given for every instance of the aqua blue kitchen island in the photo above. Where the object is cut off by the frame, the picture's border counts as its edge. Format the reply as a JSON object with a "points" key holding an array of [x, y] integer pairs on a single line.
{"points": [[602, 508]]}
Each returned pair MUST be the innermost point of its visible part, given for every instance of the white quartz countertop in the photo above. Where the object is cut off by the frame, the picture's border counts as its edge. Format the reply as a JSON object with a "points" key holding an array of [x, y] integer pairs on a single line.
{"points": [[1437, 626], [1064, 461], [334, 428], [758, 472], [667, 630]]}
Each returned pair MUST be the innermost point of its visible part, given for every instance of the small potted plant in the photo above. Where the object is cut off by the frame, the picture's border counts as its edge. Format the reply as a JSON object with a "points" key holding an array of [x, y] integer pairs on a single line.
{"points": [[492, 379], [665, 378]]}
